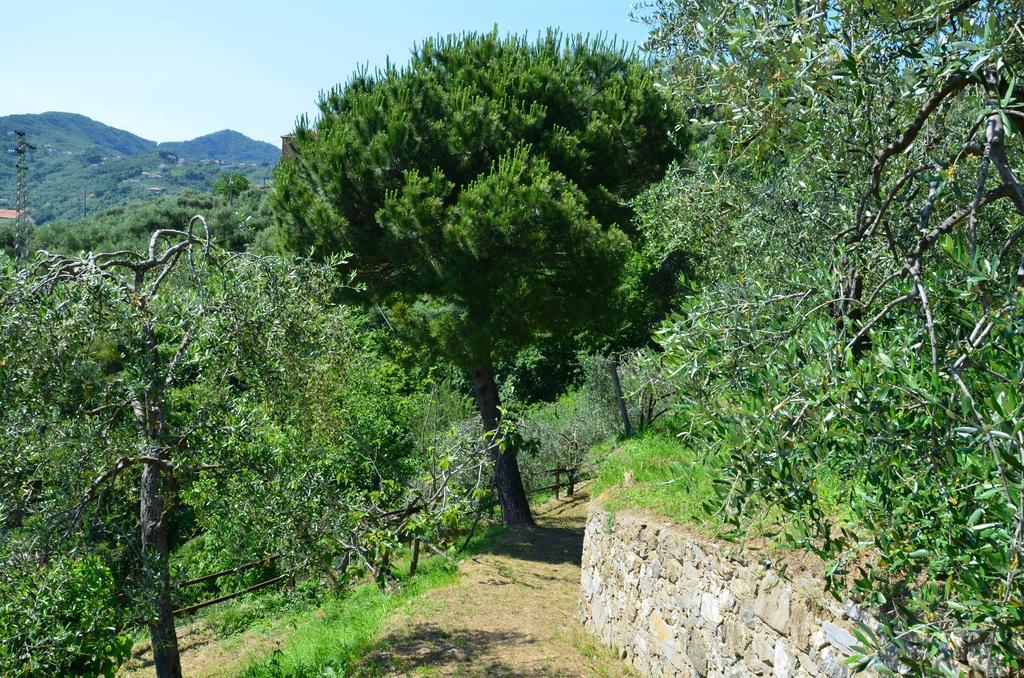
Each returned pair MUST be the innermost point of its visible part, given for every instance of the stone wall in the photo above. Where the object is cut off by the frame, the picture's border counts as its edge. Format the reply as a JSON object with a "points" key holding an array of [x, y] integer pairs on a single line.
{"points": [[675, 604]]}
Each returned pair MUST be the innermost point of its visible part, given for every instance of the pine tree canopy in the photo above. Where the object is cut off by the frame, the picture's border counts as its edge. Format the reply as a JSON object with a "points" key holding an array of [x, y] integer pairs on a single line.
{"points": [[483, 188]]}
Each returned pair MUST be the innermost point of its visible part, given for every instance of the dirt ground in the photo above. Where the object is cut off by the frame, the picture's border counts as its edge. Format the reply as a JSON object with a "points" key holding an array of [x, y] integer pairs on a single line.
{"points": [[511, 613], [204, 654]]}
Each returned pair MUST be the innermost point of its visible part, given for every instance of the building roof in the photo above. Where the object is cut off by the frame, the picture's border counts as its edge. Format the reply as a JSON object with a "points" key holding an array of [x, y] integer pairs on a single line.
{"points": [[8, 214]]}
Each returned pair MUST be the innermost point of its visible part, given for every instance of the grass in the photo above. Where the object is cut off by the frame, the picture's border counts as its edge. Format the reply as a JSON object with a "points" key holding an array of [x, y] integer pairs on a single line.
{"points": [[667, 478], [674, 481], [331, 640]]}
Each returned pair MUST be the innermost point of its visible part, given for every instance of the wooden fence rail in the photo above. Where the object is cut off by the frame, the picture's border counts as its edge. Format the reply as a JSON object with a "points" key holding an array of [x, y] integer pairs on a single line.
{"points": [[230, 570], [571, 475], [229, 596]]}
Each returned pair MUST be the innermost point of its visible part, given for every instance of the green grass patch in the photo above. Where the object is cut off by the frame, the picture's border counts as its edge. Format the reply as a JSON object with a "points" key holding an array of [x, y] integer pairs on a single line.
{"points": [[668, 478], [254, 612], [332, 639], [674, 481]]}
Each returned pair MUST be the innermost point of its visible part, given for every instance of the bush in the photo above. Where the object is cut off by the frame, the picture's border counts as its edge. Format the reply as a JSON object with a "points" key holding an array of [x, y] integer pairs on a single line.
{"points": [[560, 434], [61, 619]]}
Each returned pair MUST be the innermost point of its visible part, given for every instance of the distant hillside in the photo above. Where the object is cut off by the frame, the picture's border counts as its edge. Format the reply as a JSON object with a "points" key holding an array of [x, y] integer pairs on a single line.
{"points": [[225, 145], [71, 132], [81, 166]]}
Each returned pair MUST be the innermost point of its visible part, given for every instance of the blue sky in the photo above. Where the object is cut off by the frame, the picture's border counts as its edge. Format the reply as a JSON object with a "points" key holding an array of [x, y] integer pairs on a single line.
{"points": [[174, 70]]}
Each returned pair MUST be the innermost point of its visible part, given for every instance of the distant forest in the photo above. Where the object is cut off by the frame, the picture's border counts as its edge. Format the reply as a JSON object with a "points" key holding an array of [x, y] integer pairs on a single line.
{"points": [[80, 166]]}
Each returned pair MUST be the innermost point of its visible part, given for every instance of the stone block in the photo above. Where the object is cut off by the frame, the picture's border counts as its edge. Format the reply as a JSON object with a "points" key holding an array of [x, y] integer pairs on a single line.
{"points": [[672, 569], [698, 655], [755, 665], [709, 609], [800, 624], [660, 630], [782, 660], [832, 665], [741, 587], [748, 615], [726, 600], [737, 637], [839, 638], [763, 647], [772, 603], [806, 664]]}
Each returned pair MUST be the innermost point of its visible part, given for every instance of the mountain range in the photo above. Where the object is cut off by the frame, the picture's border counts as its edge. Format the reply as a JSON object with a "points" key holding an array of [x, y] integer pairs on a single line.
{"points": [[80, 165]]}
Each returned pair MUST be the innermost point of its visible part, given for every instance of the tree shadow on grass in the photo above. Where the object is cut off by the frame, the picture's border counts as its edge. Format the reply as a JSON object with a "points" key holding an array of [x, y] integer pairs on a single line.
{"points": [[428, 648]]}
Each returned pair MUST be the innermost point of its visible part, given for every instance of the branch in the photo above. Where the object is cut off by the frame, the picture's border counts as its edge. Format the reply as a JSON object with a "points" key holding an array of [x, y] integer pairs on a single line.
{"points": [[869, 324], [1003, 191], [903, 141]]}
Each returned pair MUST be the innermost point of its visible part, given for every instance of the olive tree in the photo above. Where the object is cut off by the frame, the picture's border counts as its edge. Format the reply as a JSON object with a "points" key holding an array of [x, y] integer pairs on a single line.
{"points": [[882, 375], [116, 361]]}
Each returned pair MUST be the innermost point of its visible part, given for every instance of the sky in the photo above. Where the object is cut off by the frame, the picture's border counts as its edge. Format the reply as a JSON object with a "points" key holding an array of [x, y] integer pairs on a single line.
{"points": [[170, 71]]}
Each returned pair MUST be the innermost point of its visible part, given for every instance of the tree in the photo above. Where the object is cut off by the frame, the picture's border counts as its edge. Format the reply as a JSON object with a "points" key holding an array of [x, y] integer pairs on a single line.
{"points": [[483, 192], [126, 286], [231, 185], [887, 364]]}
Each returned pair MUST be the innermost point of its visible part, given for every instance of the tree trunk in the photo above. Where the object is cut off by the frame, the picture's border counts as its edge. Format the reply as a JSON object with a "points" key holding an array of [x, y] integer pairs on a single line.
{"points": [[515, 509], [623, 410], [153, 512], [166, 658]]}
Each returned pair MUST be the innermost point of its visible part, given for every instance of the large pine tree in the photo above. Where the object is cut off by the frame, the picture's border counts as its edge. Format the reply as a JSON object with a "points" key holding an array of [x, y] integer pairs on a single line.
{"points": [[482, 190]]}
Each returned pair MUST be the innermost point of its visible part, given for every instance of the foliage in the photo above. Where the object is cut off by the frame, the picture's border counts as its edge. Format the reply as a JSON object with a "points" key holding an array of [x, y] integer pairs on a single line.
{"points": [[60, 619], [332, 641], [278, 434], [331, 644], [481, 189], [488, 145], [231, 185], [865, 379], [664, 476], [561, 434], [540, 372], [235, 224]]}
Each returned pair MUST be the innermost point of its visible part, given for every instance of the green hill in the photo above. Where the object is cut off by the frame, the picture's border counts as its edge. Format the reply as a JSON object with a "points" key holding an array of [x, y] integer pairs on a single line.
{"points": [[72, 133], [224, 145], [81, 166]]}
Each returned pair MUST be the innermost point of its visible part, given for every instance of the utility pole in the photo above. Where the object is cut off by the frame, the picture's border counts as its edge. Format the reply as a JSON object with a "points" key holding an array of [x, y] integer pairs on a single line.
{"points": [[22, 223]]}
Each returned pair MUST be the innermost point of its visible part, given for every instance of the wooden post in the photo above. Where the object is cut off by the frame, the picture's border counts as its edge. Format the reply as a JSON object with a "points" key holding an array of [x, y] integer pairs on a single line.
{"points": [[572, 482], [558, 472], [415, 555], [620, 398]]}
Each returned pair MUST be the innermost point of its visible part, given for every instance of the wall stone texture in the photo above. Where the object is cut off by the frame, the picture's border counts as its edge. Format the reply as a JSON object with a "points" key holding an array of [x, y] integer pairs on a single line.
{"points": [[673, 604]]}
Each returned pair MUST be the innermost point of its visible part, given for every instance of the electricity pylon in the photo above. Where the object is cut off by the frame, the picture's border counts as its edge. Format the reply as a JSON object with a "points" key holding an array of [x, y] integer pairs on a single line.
{"points": [[22, 222]]}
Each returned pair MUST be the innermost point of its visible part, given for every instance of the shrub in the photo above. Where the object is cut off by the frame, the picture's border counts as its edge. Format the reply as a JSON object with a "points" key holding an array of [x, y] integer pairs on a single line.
{"points": [[60, 619]]}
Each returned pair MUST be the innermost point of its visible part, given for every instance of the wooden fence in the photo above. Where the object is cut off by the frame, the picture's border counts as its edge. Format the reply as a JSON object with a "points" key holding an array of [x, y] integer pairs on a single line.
{"points": [[223, 573], [571, 478]]}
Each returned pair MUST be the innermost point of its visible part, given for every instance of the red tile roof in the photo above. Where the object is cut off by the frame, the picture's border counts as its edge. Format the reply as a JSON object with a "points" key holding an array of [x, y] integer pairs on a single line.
{"points": [[8, 214]]}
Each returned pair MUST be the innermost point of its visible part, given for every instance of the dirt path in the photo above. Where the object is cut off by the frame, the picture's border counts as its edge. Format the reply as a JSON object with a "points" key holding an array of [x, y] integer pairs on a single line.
{"points": [[512, 612]]}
